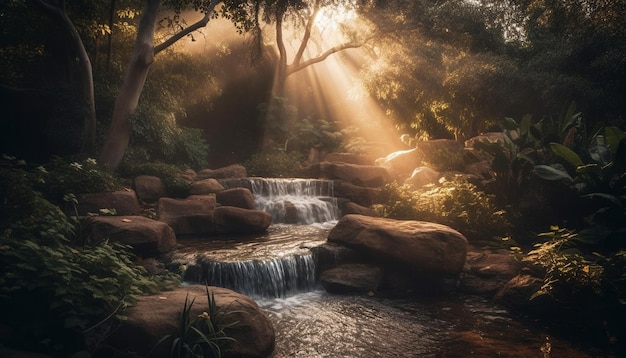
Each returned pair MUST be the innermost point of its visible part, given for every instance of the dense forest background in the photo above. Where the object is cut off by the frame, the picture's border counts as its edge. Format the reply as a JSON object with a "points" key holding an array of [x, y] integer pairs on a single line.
{"points": [[433, 69]]}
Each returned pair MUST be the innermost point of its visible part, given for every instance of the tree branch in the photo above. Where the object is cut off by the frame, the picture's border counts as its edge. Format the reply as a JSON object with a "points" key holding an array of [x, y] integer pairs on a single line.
{"points": [[307, 33], [300, 66], [186, 31]]}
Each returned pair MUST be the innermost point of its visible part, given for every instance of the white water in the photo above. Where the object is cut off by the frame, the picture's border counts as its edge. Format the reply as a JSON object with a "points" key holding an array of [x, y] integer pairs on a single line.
{"points": [[292, 201]]}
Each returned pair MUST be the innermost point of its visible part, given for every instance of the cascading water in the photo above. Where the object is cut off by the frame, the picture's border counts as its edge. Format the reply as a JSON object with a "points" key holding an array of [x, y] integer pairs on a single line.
{"points": [[278, 263], [292, 201]]}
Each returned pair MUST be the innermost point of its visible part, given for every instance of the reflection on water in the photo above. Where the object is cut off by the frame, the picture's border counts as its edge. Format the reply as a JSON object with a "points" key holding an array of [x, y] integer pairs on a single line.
{"points": [[316, 324]]}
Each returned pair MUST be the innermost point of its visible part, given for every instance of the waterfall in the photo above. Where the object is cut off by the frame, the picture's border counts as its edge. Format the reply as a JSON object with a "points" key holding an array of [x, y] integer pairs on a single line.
{"points": [[277, 277], [291, 201]]}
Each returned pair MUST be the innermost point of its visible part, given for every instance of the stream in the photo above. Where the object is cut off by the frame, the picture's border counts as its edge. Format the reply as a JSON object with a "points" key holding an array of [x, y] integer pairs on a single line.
{"points": [[278, 270]]}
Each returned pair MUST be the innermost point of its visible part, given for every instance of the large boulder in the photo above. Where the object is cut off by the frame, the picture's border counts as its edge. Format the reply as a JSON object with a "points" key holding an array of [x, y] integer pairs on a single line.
{"points": [[230, 219], [205, 187], [349, 207], [238, 197], [231, 171], [422, 246], [188, 216], [156, 316], [147, 237], [149, 188], [124, 202]]}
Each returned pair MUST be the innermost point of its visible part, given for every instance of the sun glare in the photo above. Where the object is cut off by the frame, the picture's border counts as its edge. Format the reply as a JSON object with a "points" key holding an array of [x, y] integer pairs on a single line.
{"points": [[332, 17]]}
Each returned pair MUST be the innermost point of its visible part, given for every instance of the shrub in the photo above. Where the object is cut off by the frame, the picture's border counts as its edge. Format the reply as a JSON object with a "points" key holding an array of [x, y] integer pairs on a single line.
{"points": [[455, 203], [273, 164], [170, 174], [59, 296], [59, 178]]}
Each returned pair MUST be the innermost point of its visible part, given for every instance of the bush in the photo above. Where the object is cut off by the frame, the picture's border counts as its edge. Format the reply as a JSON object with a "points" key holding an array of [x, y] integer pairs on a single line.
{"points": [[59, 178], [455, 203], [274, 164], [59, 297], [170, 174]]}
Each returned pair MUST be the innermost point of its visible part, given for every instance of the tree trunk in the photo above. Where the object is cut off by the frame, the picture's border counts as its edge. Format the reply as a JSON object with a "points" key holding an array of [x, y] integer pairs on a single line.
{"points": [[118, 135], [84, 81]]}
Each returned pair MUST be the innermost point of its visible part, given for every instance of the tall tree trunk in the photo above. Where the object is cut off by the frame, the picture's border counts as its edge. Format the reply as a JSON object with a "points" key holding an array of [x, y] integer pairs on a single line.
{"points": [[84, 81], [118, 135]]}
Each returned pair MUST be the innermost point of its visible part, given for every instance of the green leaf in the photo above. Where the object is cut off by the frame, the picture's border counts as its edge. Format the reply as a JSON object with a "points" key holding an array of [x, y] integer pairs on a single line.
{"points": [[612, 137], [565, 153], [510, 124], [549, 173], [608, 197], [525, 124]]}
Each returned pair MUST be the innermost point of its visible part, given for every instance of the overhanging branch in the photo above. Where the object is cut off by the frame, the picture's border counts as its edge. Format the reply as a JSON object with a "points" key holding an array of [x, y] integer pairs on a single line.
{"points": [[186, 31]]}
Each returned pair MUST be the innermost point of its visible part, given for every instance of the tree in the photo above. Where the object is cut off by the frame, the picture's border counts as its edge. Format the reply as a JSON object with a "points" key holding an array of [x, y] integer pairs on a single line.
{"points": [[144, 50]]}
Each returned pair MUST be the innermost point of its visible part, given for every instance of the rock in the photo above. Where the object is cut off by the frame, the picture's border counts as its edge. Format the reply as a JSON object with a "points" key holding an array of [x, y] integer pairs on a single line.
{"points": [[187, 216], [422, 176], [154, 317], [149, 188], [487, 272], [206, 186], [517, 294], [401, 163], [361, 175], [428, 247], [124, 202], [147, 237], [231, 171], [490, 136], [351, 278], [349, 158], [358, 194], [238, 197], [230, 219], [188, 175], [354, 208]]}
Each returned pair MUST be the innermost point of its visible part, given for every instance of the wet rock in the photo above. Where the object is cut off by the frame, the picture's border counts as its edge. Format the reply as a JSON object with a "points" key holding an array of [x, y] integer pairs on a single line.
{"points": [[147, 237], [429, 247], [149, 188], [187, 216], [361, 195], [206, 186], [487, 272], [230, 219], [237, 197], [351, 278], [124, 202], [517, 294], [154, 317]]}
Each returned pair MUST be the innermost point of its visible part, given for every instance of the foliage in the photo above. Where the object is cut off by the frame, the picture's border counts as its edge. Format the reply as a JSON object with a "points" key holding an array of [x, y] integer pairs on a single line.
{"points": [[567, 270], [59, 289], [274, 164], [60, 177], [202, 336], [455, 203], [175, 185]]}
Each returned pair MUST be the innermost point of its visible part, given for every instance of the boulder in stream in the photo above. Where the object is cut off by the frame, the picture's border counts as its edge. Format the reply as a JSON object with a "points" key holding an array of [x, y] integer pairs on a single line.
{"points": [[156, 316], [422, 246]]}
